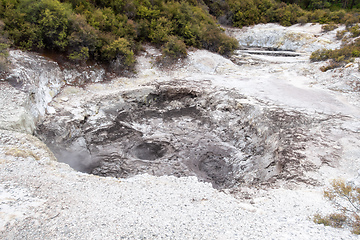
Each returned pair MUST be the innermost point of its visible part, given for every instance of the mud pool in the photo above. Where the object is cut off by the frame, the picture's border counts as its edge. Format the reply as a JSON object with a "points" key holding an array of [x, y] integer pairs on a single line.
{"points": [[216, 135]]}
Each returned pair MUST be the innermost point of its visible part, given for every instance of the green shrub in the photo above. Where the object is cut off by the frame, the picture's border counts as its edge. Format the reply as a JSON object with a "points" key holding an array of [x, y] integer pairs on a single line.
{"points": [[346, 198], [340, 34], [337, 220], [250, 12], [320, 55], [321, 16], [119, 49], [217, 8], [83, 39], [160, 30], [51, 20], [174, 48], [81, 55], [217, 42], [338, 57], [84, 30], [286, 13], [355, 53], [337, 16], [328, 27], [289, 14], [106, 30], [4, 45], [350, 19], [333, 64], [303, 19], [355, 31]]}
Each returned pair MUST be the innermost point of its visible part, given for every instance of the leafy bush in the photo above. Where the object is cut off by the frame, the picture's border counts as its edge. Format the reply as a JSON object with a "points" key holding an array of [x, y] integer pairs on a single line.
{"points": [[320, 55], [346, 198], [285, 12], [160, 29], [328, 27], [303, 19], [3, 57], [321, 4], [87, 30], [332, 64], [109, 31], [320, 16], [174, 48], [119, 49], [217, 42], [355, 31], [51, 21], [337, 220], [340, 34], [82, 40], [81, 55], [339, 56], [4, 45], [350, 19], [288, 14]]}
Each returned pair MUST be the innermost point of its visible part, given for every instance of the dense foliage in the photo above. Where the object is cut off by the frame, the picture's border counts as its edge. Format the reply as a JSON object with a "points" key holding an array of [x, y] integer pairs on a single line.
{"points": [[329, 4], [105, 30], [109, 30], [286, 12]]}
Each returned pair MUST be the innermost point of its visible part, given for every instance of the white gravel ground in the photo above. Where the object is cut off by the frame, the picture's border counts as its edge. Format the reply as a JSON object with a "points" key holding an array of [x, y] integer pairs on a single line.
{"points": [[43, 199]]}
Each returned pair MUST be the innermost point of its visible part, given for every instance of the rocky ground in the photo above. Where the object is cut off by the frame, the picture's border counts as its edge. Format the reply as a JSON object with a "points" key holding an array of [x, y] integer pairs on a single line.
{"points": [[211, 148]]}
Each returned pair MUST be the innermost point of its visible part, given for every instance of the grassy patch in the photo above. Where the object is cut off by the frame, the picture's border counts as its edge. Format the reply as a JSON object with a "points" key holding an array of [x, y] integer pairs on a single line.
{"points": [[23, 153]]}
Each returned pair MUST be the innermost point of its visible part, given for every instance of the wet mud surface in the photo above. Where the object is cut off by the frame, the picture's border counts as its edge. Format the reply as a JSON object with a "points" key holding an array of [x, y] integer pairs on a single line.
{"points": [[214, 135]]}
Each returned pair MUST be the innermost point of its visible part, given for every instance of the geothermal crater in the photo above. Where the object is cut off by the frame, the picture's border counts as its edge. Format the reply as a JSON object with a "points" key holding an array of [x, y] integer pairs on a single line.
{"points": [[176, 128]]}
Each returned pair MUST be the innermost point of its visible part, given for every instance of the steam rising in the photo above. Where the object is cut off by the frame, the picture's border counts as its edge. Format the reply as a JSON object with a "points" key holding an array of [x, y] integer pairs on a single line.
{"points": [[80, 161]]}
